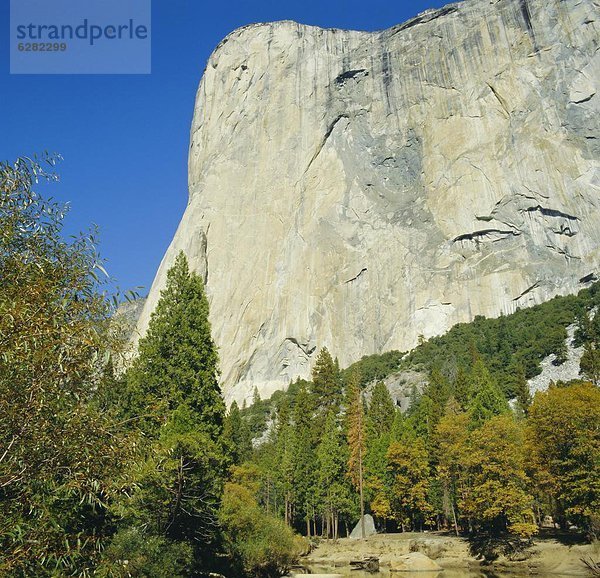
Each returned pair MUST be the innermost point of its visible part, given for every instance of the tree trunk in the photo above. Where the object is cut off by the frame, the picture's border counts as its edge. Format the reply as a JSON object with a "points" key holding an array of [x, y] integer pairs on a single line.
{"points": [[287, 510], [454, 518], [360, 488]]}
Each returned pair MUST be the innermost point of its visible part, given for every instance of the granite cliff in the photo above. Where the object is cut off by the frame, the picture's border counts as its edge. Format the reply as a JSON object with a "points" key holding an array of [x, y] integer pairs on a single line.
{"points": [[356, 190]]}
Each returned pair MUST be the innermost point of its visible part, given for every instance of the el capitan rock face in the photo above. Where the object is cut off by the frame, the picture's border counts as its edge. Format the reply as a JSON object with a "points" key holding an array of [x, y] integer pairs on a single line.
{"points": [[355, 190]]}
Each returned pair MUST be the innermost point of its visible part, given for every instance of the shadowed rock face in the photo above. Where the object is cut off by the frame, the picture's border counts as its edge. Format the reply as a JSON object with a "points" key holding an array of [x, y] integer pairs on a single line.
{"points": [[355, 190]]}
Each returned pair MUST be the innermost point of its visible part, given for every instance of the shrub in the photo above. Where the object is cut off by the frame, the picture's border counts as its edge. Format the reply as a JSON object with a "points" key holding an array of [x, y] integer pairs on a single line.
{"points": [[132, 553], [259, 544]]}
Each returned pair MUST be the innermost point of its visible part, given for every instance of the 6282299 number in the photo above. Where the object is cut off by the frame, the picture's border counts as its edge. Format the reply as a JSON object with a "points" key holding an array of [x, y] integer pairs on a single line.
{"points": [[42, 46]]}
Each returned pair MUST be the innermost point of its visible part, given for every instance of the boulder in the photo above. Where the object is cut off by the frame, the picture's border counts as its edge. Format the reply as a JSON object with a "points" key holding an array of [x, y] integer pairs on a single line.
{"points": [[414, 562], [369, 528], [432, 548]]}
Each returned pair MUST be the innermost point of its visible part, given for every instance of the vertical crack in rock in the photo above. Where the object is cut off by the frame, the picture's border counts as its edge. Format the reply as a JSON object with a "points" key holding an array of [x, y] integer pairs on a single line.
{"points": [[527, 17], [386, 72]]}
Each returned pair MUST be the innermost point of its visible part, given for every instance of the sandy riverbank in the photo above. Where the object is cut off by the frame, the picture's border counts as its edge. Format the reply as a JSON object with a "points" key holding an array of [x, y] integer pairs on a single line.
{"points": [[548, 555]]}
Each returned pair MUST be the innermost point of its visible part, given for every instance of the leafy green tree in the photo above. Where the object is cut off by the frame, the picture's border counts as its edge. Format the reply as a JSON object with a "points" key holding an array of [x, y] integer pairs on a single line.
{"points": [[134, 554], [408, 462], [497, 497], [564, 440], [61, 458], [261, 545]]}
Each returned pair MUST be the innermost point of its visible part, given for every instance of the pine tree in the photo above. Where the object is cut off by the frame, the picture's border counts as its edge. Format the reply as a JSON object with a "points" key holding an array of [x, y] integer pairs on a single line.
{"points": [[333, 492], [177, 361], [590, 362], [236, 435], [357, 441], [382, 411], [398, 426], [326, 387], [521, 388], [175, 397], [461, 388], [376, 468], [281, 470], [304, 459], [487, 400]]}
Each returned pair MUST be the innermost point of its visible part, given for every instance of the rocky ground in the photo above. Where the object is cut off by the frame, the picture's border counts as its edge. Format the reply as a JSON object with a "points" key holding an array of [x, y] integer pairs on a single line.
{"points": [[436, 552]]}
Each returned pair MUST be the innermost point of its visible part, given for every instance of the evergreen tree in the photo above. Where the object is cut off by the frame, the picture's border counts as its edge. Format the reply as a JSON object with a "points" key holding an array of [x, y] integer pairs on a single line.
{"points": [[590, 361], [382, 411], [325, 389], [521, 389], [236, 436], [177, 363], [486, 398], [304, 460], [334, 494], [376, 472], [175, 396], [398, 426], [356, 441], [283, 473], [461, 388]]}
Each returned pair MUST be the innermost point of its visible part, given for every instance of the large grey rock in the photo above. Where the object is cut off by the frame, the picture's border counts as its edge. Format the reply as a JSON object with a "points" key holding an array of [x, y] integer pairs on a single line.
{"points": [[414, 562], [356, 190], [369, 527]]}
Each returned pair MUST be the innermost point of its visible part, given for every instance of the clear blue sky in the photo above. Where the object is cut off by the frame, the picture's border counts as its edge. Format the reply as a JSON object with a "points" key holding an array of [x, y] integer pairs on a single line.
{"points": [[124, 139]]}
